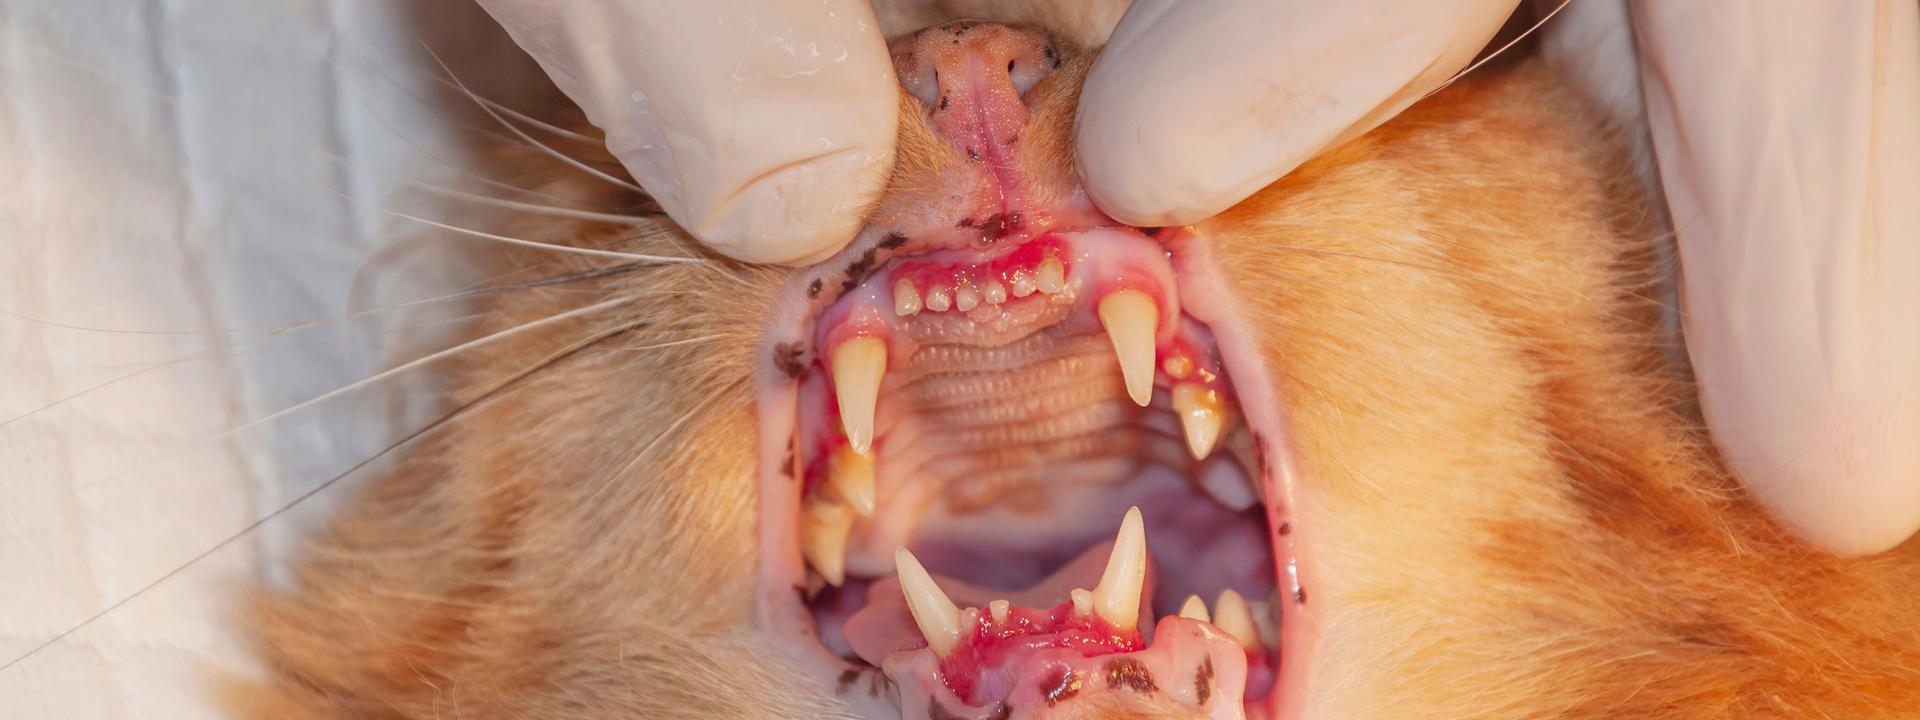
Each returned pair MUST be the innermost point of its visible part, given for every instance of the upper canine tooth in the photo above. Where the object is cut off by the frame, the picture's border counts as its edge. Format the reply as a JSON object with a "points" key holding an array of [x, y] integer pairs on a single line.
{"points": [[966, 298], [1117, 598], [823, 539], [906, 299], [1130, 317], [1195, 609], [858, 366], [994, 292], [1051, 277], [1202, 415], [935, 614], [851, 474], [1231, 614], [938, 300]]}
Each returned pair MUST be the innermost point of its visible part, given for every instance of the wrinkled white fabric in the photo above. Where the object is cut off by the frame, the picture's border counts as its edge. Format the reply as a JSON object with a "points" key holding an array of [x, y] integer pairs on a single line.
{"points": [[1194, 106], [765, 128], [1788, 136]]}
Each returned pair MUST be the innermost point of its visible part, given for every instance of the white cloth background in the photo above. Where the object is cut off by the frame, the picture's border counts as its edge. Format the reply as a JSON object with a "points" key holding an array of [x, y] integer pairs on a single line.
{"points": [[168, 171]]}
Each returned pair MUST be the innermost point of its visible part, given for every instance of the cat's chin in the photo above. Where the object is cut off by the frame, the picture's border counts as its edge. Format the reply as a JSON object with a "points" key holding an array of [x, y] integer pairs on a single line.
{"points": [[990, 460]]}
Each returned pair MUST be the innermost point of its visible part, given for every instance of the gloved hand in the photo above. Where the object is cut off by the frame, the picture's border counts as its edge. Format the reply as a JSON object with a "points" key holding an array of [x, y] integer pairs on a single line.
{"points": [[764, 127]]}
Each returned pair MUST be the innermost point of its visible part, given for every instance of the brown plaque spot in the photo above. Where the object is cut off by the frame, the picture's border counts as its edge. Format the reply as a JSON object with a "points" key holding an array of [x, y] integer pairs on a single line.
{"points": [[1299, 596], [813, 288], [1062, 686], [892, 240], [1203, 681], [973, 153], [845, 681], [1130, 673], [998, 225], [1285, 529], [943, 103], [858, 270], [786, 356]]}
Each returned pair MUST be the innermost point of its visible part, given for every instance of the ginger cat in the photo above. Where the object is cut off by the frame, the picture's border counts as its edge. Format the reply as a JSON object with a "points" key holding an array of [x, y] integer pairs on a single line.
{"points": [[1409, 404]]}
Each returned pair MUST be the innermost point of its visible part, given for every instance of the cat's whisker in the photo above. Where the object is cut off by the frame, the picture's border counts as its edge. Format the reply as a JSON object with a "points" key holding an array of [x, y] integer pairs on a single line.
{"points": [[537, 208], [1499, 51], [556, 154], [664, 259], [496, 392], [416, 363]]}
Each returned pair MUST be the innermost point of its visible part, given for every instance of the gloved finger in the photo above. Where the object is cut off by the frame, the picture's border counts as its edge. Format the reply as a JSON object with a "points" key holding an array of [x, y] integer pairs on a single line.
{"points": [[1787, 137], [1193, 106], [765, 128]]}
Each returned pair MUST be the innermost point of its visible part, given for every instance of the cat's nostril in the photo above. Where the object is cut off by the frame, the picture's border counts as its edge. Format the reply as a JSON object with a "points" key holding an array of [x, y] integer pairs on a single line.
{"points": [[979, 56]]}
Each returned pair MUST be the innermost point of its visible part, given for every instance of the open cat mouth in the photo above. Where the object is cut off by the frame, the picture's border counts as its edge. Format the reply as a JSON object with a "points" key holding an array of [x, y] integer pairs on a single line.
{"points": [[1003, 435]]}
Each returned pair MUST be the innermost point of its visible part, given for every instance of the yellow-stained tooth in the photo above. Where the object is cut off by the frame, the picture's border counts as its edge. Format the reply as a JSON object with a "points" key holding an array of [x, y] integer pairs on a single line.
{"points": [[1131, 318], [906, 299], [823, 539], [1051, 276], [1202, 416], [935, 614], [852, 477], [858, 366], [1231, 614], [1195, 609], [1117, 598]]}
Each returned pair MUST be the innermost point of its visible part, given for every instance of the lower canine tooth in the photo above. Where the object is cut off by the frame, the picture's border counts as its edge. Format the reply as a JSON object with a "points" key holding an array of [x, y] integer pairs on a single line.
{"points": [[1202, 415], [936, 615], [852, 477], [824, 529], [1195, 609], [1051, 277], [858, 366], [1130, 318], [1117, 598], [906, 300], [1231, 614]]}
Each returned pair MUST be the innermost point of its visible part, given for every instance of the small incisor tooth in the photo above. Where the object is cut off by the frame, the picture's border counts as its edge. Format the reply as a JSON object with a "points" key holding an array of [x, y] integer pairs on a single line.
{"points": [[1131, 319], [966, 298], [994, 292], [938, 300], [1117, 598], [1202, 416], [1051, 277], [824, 527], [851, 474], [1195, 609], [1023, 284], [906, 299], [1231, 614], [936, 615], [858, 366], [998, 610]]}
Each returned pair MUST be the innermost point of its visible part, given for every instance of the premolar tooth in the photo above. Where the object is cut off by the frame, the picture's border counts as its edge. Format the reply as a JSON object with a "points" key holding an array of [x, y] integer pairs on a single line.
{"points": [[935, 614], [938, 300], [1231, 614], [998, 609], [1051, 277], [906, 299], [1202, 415], [1023, 284], [1130, 318], [852, 476], [824, 539], [966, 298], [1227, 484], [1117, 598], [1195, 609], [1264, 622], [858, 366], [995, 292], [1082, 600]]}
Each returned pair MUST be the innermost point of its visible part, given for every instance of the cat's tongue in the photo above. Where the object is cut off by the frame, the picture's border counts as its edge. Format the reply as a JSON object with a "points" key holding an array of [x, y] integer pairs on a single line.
{"points": [[1033, 654]]}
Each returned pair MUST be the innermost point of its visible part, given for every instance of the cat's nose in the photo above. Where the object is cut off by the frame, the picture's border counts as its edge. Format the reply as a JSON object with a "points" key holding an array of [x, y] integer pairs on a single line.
{"points": [[973, 66]]}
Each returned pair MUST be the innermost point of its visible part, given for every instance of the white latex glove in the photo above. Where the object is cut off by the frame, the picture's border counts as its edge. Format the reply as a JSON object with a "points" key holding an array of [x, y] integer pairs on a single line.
{"points": [[764, 127], [1194, 106], [1788, 136]]}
